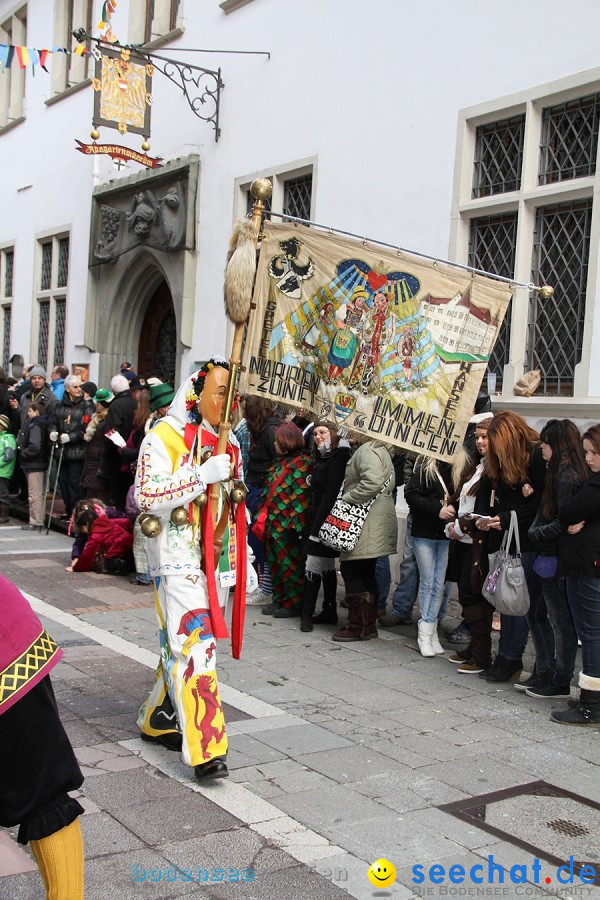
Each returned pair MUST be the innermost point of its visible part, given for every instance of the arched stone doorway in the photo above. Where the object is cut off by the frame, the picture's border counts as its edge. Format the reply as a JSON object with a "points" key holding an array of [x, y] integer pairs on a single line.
{"points": [[158, 336]]}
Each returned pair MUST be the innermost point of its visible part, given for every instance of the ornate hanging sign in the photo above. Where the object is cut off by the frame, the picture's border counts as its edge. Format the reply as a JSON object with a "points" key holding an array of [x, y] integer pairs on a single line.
{"points": [[119, 153], [123, 92]]}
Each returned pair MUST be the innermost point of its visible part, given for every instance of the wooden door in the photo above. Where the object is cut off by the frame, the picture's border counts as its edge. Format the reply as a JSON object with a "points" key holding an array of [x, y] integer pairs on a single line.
{"points": [[158, 337]]}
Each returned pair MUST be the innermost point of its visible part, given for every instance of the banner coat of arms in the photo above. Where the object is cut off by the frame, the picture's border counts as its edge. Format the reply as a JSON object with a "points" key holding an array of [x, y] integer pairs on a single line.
{"points": [[377, 341]]}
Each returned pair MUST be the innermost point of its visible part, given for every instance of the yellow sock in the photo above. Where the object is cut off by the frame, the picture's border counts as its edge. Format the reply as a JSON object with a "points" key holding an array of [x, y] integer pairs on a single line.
{"points": [[60, 860]]}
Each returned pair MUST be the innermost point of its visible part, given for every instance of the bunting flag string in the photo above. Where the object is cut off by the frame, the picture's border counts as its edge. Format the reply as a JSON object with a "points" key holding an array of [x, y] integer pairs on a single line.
{"points": [[29, 56]]}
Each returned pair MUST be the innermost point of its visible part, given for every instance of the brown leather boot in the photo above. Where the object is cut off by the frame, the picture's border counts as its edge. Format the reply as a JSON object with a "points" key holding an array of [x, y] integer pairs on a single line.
{"points": [[372, 610], [356, 629]]}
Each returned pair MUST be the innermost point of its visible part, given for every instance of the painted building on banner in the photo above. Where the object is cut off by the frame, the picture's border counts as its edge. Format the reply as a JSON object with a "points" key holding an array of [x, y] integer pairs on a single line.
{"points": [[363, 124]]}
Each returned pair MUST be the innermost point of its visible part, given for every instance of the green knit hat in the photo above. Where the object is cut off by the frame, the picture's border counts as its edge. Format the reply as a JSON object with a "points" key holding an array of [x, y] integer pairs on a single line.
{"points": [[161, 395]]}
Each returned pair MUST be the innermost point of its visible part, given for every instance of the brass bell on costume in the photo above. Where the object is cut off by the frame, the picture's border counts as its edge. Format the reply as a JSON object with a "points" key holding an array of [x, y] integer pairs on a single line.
{"points": [[201, 500], [179, 516], [150, 525], [238, 492]]}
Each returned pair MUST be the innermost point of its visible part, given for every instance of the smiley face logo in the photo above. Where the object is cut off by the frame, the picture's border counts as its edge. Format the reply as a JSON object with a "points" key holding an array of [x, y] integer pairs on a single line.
{"points": [[381, 873]]}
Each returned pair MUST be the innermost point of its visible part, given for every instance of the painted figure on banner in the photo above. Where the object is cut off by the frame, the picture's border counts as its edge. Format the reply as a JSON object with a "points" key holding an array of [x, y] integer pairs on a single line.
{"points": [[394, 345], [194, 562]]}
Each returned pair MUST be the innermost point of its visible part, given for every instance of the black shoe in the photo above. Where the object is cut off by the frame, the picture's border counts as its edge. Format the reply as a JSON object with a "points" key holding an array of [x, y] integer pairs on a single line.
{"points": [[286, 612], [460, 635], [270, 608], [533, 681], [549, 689], [306, 625], [492, 668], [172, 740], [31, 527], [506, 670], [326, 617], [583, 713], [214, 768]]}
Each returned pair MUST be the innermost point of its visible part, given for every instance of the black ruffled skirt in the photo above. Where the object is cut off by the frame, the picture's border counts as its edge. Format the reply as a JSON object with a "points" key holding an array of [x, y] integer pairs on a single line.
{"points": [[37, 767]]}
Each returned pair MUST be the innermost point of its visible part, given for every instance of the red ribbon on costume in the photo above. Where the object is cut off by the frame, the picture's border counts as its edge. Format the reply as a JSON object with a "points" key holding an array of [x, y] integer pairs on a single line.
{"points": [[191, 433]]}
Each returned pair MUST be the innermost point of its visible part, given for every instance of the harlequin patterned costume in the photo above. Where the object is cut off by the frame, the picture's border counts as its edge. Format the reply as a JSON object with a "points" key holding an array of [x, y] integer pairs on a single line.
{"points": [[190, 585], [286, 520]]}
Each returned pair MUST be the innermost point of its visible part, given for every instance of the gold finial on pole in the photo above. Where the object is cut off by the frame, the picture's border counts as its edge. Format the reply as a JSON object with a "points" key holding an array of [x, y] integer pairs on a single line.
{"points": [[546, 292]]}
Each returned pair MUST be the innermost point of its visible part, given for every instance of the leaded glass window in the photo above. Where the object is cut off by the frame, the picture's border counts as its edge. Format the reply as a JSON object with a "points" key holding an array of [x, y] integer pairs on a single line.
{"points": [[46, 278], [560, 258], [498, 157], [63, 262], [569, 140], [43, 329], [6, 325], [297, 196], [59, 330], [492, 247]]}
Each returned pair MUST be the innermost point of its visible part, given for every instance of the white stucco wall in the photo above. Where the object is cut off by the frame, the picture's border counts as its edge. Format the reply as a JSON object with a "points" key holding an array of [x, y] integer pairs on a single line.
{"points": [[372, 90]]}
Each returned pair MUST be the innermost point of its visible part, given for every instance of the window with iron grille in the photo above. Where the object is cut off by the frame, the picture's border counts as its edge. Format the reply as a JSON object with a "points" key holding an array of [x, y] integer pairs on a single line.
{"points": [[63, 262], [569, 141], [59, 330], [43, 329], [9, 261], [492, 247], [560, 258], [46, 272], [6, 324], [53, 255], [297, 194], [498, 157]]}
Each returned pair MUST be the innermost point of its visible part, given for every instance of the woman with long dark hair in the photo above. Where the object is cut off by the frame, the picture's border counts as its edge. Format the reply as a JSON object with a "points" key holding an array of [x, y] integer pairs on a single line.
{"points": [[330, 461], [286, 490], [579, 555], [515, 481], [550, 620]]}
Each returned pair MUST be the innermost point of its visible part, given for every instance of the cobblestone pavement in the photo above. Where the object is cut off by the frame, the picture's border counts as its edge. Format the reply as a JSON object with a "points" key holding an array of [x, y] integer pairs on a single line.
{"points": [[339, 754]]}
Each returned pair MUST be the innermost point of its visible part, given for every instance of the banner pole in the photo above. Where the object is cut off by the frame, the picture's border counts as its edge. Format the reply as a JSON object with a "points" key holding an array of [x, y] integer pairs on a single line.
{"points": [[237, 306]]}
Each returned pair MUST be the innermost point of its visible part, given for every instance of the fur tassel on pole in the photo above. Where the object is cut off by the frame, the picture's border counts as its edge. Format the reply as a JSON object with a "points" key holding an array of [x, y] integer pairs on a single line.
{"points": [[239, 283]]}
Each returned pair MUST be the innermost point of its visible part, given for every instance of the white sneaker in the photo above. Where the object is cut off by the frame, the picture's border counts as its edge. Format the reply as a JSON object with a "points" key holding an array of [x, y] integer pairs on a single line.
{"points": [[258, 598]]}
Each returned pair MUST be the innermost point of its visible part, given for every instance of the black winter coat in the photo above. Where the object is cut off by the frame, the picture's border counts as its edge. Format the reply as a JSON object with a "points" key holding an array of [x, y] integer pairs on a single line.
{"points": [[546, 534], [32, 442], [72, 417], [425, 502], [120, 416], [579, 554], [263, 453], [326, 480]]}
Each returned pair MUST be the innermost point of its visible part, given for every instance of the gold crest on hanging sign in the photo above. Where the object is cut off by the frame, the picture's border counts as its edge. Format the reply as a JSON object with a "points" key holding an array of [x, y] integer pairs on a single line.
{"points": [[344, 405], [179, 516]]}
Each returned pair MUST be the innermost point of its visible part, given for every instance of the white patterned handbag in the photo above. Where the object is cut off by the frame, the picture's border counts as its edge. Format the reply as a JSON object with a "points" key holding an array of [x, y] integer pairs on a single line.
{"points": [[342, 527]]}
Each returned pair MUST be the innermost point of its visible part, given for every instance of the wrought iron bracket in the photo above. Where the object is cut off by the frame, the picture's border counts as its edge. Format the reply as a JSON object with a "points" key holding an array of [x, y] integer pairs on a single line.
{"points": [[200, 87]]}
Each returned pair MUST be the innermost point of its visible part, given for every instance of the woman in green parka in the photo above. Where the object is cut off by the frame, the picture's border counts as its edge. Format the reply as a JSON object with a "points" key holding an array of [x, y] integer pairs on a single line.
{"points": [[369, 475], [286, 521]]}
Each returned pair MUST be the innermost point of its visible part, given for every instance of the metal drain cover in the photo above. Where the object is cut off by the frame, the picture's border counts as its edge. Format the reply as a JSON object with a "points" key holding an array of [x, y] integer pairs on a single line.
{"points": [[547, 821]]}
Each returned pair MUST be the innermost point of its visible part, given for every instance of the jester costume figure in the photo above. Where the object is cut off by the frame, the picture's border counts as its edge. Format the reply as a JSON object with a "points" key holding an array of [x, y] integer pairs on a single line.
{"points": [[193, 562]]}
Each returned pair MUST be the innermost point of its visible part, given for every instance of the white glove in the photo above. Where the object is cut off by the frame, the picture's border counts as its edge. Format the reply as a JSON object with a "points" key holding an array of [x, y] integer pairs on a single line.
{"points": [[214, 469], [53, 436], [64, 438]]}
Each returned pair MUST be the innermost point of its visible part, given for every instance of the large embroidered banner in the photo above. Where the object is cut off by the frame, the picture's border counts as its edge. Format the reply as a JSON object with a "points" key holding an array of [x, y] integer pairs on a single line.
{"points": [[377, 341]]}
